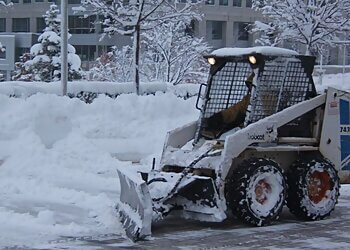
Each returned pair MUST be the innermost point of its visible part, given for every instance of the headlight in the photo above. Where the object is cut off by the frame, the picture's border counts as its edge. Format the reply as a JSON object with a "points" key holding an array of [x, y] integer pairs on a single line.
{"points": [[211, 60], [252, 59]]}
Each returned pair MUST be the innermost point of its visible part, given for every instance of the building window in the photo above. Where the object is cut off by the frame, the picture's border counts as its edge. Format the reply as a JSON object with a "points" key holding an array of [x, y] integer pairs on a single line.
{"points": [[39, 1], [243, 34], [2, 24], [14, 1], [249, 3], [237, 3], [223, 2], [216, 28], [3, 53], [40, 24], [209, 2], [86, 52], [27, 1], [57, 2], [81, 25], [20, 25], [74, 1]]}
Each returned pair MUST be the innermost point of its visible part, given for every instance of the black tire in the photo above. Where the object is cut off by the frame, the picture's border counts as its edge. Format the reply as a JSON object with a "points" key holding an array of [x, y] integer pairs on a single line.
{"points": [[313, 188], [263, 205]]}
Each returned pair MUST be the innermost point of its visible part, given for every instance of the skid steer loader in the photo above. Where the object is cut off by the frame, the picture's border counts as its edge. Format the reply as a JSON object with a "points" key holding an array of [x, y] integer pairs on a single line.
{"points": [[264, 138]]}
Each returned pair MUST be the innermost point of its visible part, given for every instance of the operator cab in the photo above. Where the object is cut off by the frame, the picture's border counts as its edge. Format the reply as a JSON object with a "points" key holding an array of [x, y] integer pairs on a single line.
{"points": [[249, 84]]}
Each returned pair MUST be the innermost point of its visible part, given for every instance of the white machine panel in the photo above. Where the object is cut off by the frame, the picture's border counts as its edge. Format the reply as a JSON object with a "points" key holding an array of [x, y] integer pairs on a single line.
{"points": [[335, 138]]}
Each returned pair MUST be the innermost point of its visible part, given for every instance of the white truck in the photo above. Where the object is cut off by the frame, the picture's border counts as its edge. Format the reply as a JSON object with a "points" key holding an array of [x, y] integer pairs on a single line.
{"points": [[264, 138]]}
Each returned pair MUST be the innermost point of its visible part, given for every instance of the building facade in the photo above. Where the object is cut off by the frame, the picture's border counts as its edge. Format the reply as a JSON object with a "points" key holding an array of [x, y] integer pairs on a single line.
{"points": [[224, 24], [24, 22]]}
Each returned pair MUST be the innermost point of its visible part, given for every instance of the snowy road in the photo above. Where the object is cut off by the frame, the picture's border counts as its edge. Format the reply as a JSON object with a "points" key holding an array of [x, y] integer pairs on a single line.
{"points": [[333, 233], [58, 178]]}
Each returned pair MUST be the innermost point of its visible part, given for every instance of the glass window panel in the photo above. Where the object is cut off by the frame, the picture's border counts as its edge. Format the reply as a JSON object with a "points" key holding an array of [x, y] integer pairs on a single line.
{"points": [[248, 3], [217, 27], [3, 53], [20, 25], [237, 3], [243, 34], [2, 24], [40, 24], [81, 25]]}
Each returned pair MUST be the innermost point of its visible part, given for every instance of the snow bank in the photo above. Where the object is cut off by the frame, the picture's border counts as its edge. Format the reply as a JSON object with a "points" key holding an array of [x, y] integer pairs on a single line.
{"points": [[185, 90], [338, 81], [25, 89], [58, 158]]}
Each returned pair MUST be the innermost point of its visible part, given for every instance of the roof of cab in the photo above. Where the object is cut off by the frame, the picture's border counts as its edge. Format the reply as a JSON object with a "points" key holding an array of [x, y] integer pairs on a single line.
{"points": [[264, 50]]}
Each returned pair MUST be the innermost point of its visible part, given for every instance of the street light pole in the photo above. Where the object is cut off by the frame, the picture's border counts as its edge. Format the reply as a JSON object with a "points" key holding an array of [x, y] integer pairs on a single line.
{"points": [[64, 46]]}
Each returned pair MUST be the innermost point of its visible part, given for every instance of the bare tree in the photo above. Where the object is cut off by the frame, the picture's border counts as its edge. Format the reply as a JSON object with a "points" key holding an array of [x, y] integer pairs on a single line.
{"points": [[174, 55], [132, 17], [312, 23]]}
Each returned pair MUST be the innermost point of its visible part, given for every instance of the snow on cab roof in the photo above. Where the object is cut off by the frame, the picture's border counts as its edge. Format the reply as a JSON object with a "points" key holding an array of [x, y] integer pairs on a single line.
{"points": [[265, 50]]}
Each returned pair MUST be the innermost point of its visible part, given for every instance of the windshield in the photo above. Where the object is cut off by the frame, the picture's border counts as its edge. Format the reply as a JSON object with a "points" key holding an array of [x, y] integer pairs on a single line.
{"points": [[228, 99]]}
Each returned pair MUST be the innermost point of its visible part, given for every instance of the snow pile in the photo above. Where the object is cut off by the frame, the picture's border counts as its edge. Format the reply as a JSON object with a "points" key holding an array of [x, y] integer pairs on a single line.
{"points": [[58, 159], [185, 90]]}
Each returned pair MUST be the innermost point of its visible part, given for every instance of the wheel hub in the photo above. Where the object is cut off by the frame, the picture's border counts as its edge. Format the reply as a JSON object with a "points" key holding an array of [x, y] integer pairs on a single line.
{"points": [[262, 189], [319, 184]]}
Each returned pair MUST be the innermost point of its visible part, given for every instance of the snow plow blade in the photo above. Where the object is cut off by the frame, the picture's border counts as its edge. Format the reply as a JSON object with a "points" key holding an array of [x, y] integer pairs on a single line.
{"points": [[135, 205]]}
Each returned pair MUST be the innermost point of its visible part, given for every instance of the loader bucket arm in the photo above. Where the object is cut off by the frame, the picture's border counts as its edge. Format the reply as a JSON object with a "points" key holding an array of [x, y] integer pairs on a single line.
{"points": [[135, 205]]}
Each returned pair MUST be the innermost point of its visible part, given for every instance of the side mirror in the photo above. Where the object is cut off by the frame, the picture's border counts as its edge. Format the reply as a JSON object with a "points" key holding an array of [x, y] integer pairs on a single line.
{"points": [[199, 95]]}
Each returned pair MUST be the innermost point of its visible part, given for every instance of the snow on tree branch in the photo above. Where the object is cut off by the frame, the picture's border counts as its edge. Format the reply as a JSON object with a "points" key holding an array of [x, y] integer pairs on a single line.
{"points": [[312, 23], [134, 17], [174, 56], [4, 4], [113, 66]]}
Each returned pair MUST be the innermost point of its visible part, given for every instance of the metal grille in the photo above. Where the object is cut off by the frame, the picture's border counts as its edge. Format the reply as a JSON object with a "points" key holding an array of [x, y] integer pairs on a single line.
{"points": [[295, 87], [227, 87], [281, 85]]}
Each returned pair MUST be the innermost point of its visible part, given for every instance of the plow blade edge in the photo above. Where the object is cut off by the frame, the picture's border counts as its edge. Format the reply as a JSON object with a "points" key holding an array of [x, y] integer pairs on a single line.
{"points": [[135, 205]]}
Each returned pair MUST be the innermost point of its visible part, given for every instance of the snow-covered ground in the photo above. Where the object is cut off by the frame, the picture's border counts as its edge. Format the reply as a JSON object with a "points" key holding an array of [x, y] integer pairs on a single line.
{"points": [[339, 81], [58, 158]]}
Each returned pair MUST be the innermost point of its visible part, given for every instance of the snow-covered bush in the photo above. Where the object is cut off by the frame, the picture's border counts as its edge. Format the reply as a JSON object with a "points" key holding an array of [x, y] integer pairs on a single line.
{"points": [[311, 23], [21, 73], [113, 66], [45, 64]]}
